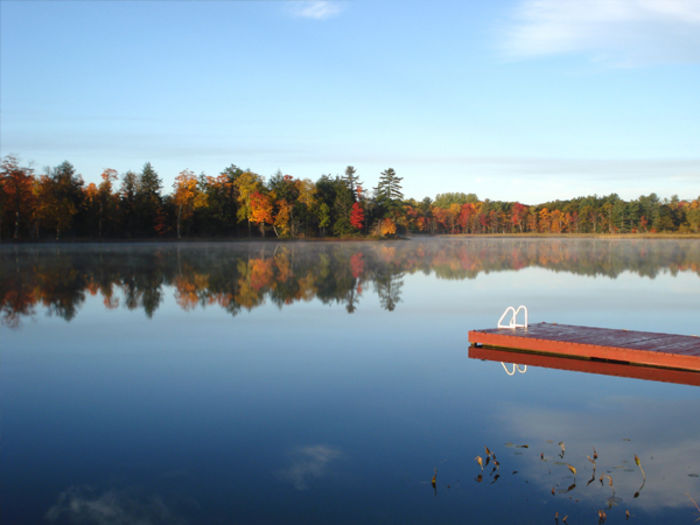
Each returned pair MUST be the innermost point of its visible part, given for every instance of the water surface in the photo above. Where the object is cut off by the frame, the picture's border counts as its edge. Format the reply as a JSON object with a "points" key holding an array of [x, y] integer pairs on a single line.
{"points": [[325, 383]]}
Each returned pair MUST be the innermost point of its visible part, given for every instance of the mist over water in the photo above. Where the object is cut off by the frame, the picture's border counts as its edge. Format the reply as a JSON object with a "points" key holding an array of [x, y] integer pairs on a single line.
{"points": [[325, 382]]}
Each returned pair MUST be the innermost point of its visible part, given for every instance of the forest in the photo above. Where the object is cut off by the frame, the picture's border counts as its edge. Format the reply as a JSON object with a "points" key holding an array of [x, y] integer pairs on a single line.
{"points": [[57, 204]]}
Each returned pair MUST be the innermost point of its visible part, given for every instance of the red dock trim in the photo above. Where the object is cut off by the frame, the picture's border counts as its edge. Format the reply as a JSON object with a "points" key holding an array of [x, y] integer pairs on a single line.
{"points": [[683, 377], [643, 348]]}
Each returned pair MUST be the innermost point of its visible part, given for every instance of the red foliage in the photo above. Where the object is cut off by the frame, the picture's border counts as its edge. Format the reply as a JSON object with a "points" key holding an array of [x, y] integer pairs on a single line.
{"points": [[357, 216]]}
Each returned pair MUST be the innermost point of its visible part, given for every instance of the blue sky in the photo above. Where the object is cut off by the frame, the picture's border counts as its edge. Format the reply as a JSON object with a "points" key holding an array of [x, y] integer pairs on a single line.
{"points": [[526, 100]]}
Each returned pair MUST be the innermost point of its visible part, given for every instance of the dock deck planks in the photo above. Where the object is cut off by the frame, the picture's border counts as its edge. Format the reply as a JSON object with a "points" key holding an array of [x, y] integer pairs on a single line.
{"points": [[627, 346]]}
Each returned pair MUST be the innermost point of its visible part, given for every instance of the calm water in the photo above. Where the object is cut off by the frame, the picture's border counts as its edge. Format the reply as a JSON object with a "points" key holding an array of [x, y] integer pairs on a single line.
{"points": [[325, 383]]}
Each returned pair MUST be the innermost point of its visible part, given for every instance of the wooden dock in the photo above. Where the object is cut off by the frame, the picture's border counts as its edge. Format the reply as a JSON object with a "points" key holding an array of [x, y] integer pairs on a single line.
{"points": [[680, 352], [649, 373]]}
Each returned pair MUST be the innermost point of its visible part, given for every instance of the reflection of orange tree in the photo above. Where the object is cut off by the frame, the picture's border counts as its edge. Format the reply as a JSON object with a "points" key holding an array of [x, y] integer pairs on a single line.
{"points": [[255, 276], [188, 289], [17, 302]]}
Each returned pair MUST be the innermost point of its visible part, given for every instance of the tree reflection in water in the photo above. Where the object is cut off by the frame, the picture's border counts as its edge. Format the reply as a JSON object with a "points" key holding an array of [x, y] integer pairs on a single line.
{"points": [[245, 275]]}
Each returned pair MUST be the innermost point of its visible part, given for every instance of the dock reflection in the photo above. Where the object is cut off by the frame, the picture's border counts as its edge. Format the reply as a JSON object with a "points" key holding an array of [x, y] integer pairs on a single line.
{"points": [[590, 366]]}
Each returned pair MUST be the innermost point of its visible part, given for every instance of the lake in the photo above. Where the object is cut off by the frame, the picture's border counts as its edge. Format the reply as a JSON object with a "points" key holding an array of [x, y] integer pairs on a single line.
{"points": [[317, 382]]}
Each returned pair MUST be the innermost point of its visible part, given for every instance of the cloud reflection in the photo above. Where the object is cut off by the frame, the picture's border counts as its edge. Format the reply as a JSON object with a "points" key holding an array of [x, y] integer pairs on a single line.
{"points": [[308, 463], [83, 505], [669, 453]]}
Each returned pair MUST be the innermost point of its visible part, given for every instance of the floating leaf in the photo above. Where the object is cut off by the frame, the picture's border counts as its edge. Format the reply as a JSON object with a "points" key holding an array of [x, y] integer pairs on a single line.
{"points": [[572, 469], [693, 502], [641, 468]]}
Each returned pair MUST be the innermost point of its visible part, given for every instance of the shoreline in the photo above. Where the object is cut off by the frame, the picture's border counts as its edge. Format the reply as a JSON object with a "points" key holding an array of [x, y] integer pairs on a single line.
{"points": [[408, 237]]}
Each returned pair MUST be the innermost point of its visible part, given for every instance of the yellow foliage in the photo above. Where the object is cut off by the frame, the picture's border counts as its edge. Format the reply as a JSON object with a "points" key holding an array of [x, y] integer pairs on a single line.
{"points": [[387, 227]]}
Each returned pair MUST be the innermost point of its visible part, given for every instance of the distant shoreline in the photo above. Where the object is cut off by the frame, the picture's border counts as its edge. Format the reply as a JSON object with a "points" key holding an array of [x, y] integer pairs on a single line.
{"points": [[413, 236]]}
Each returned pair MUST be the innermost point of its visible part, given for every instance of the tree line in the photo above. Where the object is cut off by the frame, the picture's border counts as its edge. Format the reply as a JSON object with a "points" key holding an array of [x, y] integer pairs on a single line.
{"points": [[240, 203]]}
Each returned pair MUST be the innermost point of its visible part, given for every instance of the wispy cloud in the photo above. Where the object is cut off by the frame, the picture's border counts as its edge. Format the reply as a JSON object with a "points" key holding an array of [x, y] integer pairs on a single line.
{"points": [[316, 9], [618, 32]]}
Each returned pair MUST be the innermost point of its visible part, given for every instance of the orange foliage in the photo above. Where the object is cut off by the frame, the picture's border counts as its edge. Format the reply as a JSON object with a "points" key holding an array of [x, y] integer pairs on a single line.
{"points": [[282, 219], [387, 227], [260, 208]]}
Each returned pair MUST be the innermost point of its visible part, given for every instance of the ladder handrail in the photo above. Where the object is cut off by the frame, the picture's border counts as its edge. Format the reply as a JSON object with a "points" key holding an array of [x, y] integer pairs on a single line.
{"points": [[513, 319]]}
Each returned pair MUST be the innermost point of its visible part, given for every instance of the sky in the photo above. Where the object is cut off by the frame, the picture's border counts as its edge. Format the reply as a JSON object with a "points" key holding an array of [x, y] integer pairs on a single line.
{"points": [[527, 100]]}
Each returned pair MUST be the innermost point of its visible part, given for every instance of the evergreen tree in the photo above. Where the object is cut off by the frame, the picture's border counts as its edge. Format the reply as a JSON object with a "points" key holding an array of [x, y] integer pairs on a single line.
{"points": [[352, 181], [148, 199], [389, 187]]}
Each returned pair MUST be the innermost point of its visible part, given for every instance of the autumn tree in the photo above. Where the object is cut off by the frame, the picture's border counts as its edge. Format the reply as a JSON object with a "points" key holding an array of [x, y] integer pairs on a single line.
{"points": [[61, 197], [282, 224], [357, 216], [518, 216], [245, 185], [188, 197], [285, 192], [261, 208], [387, 227], [17, 197]]}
